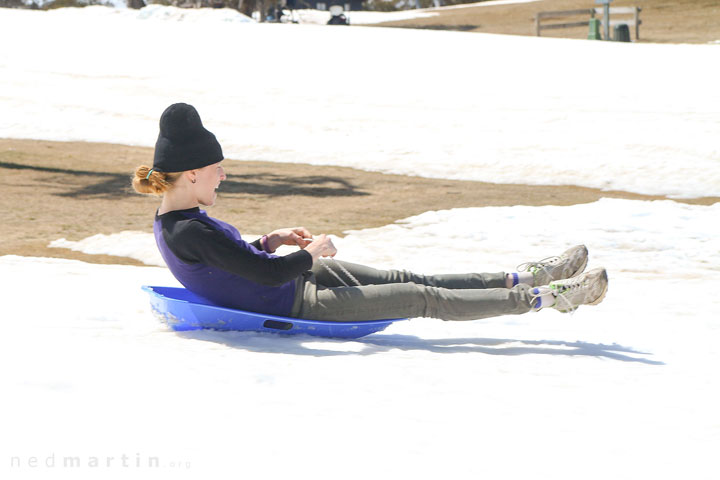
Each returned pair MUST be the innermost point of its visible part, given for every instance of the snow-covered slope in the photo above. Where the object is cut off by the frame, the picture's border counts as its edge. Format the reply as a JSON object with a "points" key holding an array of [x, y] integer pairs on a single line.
{"points": [[638, 117], [94, 387], [623, 390]]}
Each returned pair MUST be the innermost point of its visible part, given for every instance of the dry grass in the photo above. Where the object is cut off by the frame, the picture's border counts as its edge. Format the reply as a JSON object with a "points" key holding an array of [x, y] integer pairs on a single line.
{"points": [[663, 21], [74, 190]]}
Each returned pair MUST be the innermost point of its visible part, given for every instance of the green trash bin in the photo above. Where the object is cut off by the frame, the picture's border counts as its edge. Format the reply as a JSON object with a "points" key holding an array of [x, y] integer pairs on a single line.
{"points": [[594, 33], [622, 33]]}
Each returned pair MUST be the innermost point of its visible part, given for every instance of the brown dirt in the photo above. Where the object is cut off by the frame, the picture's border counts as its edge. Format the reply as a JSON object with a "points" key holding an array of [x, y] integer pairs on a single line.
{"points": [[663, 21], [74, 190]]}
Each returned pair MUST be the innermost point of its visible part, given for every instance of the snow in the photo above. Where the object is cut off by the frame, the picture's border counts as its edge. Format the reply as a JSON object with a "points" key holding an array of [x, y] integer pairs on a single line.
{"points": [[310, 15], [364, 17], [137, 245], [121, 4], [636, 117], [321, 17], [489, 3], [627, 389], [131, 244], [628, 236]]}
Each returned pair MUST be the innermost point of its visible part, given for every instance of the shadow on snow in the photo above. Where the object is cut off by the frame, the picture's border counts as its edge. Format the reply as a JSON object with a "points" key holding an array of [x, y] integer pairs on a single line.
{"points": [[374, 344]]}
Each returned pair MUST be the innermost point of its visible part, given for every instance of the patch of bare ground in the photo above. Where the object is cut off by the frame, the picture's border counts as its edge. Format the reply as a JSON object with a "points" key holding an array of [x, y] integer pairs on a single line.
{"points": [[663, 21], [74, 190]]}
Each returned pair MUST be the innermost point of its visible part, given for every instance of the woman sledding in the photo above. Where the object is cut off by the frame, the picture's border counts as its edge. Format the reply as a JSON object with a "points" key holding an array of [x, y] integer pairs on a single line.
{"points": [[210, 258]]}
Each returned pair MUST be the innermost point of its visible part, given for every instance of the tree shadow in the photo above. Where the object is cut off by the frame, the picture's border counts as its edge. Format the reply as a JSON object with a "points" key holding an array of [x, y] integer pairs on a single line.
{"points": [[455, 28], [106, 185], [275, 185], [117, 185], [375, 344]]}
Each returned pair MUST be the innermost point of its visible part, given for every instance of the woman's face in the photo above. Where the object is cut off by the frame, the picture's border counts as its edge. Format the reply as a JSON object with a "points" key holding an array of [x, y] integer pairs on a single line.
{"points": [[207, 180]]}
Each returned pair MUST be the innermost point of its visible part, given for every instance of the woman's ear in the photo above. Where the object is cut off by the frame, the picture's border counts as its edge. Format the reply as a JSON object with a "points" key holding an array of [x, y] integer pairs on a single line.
{"points": [[191, 175]]}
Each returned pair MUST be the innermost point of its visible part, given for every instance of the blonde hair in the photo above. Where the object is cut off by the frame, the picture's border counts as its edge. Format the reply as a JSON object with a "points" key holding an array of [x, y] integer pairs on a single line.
{"points": [[153, 182]]}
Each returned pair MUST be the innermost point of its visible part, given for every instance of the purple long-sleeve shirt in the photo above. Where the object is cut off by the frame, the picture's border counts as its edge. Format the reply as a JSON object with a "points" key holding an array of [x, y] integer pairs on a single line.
{"points": [[210, 258]]}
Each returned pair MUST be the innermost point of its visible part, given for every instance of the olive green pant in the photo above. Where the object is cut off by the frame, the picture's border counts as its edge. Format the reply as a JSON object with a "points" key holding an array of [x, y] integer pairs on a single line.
{"points": [[402, 294]]}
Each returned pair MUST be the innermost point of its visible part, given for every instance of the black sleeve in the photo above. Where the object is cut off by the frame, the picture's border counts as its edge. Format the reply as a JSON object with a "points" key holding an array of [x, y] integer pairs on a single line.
{"points": [[195, 242], [257, 244]]}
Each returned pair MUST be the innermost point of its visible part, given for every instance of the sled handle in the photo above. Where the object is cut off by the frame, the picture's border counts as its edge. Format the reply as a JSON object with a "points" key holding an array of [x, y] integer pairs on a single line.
{"points": [[277, 325]]}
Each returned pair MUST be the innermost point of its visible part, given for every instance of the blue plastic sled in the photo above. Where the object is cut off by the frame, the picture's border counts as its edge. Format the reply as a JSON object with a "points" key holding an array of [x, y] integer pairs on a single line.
{"points": [[183, 310]]}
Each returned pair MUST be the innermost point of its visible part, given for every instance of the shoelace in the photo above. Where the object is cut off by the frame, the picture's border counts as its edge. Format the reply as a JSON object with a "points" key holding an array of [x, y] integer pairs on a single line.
{"points": [[540, 264], [568, 307], [561, 302], [342, 269], [560, 296]]}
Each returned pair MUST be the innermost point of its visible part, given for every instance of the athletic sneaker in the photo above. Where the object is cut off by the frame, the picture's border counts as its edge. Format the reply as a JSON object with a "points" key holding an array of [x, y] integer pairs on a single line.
{"points": [[571, 263], [588, 288]]}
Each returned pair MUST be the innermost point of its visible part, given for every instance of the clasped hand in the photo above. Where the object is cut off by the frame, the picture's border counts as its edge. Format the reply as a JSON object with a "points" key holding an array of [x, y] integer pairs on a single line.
{"points": [[317, 246]]}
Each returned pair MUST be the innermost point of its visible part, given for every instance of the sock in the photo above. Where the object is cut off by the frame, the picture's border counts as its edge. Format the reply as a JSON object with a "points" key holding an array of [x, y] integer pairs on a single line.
{"points": [[543, 298], [526, 278]]}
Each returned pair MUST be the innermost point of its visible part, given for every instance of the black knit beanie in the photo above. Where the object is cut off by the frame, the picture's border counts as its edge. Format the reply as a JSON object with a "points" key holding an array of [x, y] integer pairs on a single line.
{"points": [[183, 143]]}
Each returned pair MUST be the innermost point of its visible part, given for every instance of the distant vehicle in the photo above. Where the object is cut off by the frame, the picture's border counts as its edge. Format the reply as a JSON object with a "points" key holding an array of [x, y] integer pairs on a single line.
{"points": [[338, 15]]}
